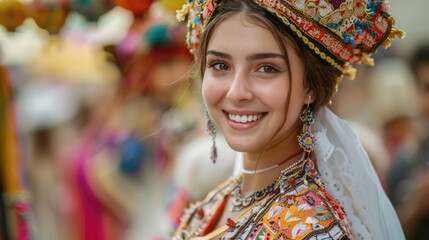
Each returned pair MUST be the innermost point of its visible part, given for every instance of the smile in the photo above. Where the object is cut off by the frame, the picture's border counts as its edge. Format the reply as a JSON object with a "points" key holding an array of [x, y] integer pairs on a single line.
{"points": [[244, 118]]}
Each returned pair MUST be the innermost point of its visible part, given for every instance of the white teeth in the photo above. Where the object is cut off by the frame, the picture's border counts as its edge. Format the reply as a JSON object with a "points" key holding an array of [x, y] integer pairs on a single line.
{"points": [[244, 118]]}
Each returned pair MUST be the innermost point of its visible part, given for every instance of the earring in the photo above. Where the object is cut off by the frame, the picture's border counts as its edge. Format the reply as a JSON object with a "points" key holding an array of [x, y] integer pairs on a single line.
{"points": [[211, 131], [306, 139]]}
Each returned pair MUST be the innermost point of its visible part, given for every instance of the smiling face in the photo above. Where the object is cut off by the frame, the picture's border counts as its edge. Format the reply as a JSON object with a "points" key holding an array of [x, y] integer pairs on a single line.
{"points": [[246, 85]]}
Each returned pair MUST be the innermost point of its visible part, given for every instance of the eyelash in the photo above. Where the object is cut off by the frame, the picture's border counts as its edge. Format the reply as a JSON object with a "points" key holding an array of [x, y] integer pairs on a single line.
{"points": [[273, 68], [212, 64]]}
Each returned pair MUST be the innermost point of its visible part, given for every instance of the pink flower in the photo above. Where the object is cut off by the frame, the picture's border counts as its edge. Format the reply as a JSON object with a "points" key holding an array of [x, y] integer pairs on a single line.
{"points": [[311, 199]]}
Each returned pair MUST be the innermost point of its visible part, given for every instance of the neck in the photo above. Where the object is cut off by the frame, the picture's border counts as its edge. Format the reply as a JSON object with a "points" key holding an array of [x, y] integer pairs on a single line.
{"points": [[274, 155], [267, 169]]}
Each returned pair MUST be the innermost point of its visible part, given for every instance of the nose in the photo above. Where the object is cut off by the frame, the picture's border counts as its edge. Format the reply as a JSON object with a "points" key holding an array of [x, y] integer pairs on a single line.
{"points": [[240, 88]]}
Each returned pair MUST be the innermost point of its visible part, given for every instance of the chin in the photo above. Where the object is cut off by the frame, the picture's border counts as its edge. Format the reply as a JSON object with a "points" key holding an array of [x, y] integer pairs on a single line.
{"points": [[241, 146]]}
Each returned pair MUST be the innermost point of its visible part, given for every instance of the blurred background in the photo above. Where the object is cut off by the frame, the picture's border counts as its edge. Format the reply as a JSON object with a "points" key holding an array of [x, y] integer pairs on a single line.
{"points": [[102, 129]]}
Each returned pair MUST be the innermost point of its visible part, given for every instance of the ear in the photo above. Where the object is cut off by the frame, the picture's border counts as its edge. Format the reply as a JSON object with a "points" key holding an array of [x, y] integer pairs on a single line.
{"points": [[310, 97]]}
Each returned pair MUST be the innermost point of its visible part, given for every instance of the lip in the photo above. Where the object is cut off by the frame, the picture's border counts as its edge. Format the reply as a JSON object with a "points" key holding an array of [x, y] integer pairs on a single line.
{"points": [[243, 126]]}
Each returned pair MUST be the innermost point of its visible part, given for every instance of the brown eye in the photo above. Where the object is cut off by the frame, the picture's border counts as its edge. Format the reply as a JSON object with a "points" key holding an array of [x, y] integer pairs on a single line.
{"points": [[267, 69], [219, 66]]}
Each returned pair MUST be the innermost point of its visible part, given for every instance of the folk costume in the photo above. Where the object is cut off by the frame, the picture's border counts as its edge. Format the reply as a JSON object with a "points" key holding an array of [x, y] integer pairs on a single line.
{"points": [[342, 198]]}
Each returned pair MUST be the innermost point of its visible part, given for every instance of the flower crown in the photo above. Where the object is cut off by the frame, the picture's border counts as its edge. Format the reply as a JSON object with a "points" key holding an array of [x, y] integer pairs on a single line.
{"points": [[341, 32]]}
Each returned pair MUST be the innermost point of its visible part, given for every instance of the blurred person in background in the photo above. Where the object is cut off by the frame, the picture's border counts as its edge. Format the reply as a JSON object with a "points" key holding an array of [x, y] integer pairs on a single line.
{"points": [[64, 107], [408, 180], [45, 110], [156, 76], [393, 104], [386, 121], [161, 112], [373, 144], [391, 116], [15, 200]]}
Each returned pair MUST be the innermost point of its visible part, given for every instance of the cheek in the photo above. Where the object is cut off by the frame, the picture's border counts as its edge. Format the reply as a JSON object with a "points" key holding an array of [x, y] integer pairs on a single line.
{"points": [[212, 92], [273, 98], [277, 97]]}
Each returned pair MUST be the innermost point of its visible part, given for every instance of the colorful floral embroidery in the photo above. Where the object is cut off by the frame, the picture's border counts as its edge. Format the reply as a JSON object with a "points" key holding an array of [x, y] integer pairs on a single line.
{"points": [[304, 211], [309, 213]]}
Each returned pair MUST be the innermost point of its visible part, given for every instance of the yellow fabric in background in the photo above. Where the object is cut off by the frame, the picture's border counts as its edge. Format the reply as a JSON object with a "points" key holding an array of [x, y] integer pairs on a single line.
{"points": [[9, 151]]}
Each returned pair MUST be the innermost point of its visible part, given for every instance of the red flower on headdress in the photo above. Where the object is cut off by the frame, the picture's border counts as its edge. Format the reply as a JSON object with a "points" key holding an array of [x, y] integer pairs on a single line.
{"points": [[209, 9]]}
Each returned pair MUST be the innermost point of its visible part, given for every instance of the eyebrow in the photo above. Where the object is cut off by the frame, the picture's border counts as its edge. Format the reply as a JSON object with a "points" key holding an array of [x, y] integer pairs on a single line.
{"points": [[219, 54], [253, 57], [261, 56]]}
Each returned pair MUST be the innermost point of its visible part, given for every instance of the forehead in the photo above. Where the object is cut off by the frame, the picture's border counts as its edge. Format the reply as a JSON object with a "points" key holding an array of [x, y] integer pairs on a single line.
{"points": [[240, 32]]}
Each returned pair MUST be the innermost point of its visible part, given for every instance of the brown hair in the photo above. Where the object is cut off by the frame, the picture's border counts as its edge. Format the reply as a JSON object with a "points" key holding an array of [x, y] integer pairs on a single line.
{"points": [[319, 75]]}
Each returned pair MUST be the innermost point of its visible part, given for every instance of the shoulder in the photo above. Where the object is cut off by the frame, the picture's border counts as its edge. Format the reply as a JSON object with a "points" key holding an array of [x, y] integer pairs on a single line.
{"points": [[307, 211], [198, 216]]}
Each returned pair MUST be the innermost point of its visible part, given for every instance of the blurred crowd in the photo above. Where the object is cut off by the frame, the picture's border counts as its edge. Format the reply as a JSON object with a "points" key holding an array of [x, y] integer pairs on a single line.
{"points": [[102, 127]]}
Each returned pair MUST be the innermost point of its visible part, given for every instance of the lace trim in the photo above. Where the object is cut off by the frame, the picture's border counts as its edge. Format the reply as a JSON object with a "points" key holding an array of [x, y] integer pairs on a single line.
{"points": [[334, 175], [350, 178]]}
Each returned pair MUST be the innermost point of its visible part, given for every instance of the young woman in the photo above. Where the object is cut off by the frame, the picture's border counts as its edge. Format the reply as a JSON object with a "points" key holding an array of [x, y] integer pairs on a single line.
{"points": [[268, 68]]}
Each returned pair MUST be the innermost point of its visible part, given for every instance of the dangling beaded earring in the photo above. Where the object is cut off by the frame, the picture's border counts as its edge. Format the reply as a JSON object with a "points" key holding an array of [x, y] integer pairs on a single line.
{"points": [[306, 139], [211, 131]]}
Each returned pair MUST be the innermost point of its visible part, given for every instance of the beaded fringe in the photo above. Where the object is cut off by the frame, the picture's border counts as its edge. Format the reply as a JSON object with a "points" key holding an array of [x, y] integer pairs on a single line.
{"points": [[395, 32]]}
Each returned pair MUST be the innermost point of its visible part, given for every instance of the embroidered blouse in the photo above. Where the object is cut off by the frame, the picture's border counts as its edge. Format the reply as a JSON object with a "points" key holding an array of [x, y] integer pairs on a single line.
{"points": [[298, 208]]}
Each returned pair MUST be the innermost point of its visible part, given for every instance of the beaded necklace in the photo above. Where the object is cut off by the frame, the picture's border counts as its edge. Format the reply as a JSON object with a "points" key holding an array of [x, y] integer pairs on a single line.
{"points": [[239, 202]]}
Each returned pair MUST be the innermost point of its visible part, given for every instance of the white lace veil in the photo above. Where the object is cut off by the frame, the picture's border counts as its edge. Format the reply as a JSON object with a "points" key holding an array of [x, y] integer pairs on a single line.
{"points": [[350, 177]]}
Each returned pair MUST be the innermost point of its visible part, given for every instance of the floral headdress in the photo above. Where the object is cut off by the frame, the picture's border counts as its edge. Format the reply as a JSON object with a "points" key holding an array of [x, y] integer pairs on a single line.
{"points": [[341, 32], [198, 14]]}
